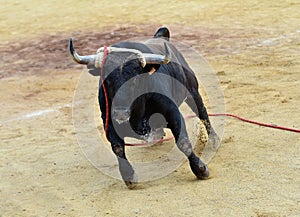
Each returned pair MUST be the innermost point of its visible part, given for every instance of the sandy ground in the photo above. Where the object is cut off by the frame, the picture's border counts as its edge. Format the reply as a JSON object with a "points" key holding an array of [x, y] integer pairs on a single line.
{"points": [[252, 45]]}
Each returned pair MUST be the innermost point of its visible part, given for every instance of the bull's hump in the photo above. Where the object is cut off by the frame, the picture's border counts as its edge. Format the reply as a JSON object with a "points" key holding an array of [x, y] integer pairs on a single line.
{"points": [[133, 45]]}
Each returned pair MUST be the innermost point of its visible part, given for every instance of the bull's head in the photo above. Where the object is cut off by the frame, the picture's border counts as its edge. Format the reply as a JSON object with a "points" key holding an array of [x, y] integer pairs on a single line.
{"points": [[121, 64]]}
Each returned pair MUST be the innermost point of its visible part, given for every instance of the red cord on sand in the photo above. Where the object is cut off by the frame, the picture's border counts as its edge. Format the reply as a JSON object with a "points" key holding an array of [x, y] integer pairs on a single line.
{"points": [[258, 123], [252, 122]]}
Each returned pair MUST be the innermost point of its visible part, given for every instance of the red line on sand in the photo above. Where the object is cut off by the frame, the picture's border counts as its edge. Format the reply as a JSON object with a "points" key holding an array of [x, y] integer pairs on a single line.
{"points": [[259, 123]]}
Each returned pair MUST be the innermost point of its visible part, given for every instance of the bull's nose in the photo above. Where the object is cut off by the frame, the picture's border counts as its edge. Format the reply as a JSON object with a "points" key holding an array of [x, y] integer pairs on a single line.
{"points": [[121, 115]]}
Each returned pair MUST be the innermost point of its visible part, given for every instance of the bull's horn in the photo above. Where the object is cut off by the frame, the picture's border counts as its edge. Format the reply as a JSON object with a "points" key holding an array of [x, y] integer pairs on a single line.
{"points": [[80, 59], [157, 58]]}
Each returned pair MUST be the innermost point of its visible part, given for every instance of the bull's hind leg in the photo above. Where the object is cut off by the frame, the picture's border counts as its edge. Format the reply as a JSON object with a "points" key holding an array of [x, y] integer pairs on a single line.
{"points": [[125, 168], [177, 126], [195, 102]]}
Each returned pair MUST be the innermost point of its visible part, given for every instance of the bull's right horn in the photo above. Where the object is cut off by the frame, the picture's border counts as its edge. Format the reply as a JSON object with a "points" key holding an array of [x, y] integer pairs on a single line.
{"points": [[90, 59], [157, 58]]}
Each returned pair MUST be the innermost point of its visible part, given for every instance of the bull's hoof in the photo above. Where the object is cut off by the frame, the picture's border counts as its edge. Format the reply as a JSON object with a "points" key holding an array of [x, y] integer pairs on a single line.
{"points": [[200, 170], [133, 183], [213, 141]]}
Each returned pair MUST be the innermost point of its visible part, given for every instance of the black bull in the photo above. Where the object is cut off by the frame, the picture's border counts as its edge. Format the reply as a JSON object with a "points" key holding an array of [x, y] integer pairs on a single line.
{"points": [[136, 85]]}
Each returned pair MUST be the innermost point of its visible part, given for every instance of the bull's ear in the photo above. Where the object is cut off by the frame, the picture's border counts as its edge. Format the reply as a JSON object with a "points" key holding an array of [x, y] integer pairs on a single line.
{"points": [[162, 33], [151, 68], [93, 70]]}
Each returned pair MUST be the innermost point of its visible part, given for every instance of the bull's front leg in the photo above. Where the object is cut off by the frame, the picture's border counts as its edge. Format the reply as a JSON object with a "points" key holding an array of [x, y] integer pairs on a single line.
{"points": [[177, 125], [125, 168], [117, 145]]}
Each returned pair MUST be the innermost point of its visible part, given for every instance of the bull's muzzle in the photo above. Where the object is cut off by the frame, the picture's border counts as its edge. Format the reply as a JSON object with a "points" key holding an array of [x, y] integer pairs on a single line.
{"points": [[120, 115]]}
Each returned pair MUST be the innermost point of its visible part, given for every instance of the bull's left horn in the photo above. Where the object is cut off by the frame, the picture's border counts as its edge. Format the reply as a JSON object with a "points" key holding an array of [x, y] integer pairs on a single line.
{"points": [[157, 58], [90, 59]]}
